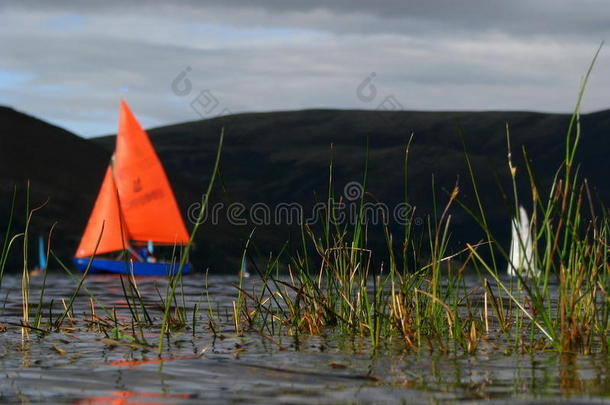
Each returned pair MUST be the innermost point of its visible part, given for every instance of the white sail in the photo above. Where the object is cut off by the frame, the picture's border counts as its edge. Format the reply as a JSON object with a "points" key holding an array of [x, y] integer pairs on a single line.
{"points": [[521, 258]]}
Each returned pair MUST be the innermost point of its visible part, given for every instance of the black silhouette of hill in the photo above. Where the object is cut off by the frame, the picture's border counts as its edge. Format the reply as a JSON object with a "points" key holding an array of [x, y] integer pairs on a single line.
{"points": [[283, 157], [61, 167]]}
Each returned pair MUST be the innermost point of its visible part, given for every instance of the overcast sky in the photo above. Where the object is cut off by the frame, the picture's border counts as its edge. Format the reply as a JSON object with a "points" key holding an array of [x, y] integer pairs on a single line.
{"points": [[71, 64]]}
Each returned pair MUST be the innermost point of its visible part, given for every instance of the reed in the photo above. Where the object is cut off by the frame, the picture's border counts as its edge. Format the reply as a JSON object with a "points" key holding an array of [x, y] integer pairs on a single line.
{"points": [[340, 289], [176, 279], [38, 317], [570, 248], [425, 302]]}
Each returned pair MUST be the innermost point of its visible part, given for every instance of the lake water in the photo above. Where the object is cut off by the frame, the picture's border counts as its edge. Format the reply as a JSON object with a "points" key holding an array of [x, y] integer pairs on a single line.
{"points": [[82, 366]]}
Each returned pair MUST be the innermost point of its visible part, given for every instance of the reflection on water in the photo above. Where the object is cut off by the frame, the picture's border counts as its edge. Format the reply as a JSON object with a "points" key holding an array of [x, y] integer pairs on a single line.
{"points": [[83, 366], [132, 398]]}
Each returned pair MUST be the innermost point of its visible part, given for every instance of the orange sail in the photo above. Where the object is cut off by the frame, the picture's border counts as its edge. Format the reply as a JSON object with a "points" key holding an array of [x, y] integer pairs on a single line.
{"points": [[149, 208], [106, 213]]}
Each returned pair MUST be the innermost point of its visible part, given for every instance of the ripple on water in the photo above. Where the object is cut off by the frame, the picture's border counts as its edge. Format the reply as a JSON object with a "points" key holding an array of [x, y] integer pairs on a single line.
{"points": [[84, 367]]}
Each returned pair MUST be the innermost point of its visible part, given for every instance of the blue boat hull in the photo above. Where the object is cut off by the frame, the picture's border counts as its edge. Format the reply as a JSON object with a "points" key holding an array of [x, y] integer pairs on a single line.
{"points": [[119, 267]]}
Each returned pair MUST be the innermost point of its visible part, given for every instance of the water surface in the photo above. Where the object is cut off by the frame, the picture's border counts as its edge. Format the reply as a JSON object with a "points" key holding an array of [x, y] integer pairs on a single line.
{"points": [[83, 366]]}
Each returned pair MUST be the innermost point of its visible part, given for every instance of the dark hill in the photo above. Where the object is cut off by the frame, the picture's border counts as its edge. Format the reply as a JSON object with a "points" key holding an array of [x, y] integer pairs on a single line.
{"points": [[283, 157], [61, 167]]}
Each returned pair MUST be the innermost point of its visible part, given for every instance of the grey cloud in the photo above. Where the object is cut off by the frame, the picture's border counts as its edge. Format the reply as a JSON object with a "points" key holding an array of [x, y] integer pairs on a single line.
{"points": [[563, 18], [443, 56]]}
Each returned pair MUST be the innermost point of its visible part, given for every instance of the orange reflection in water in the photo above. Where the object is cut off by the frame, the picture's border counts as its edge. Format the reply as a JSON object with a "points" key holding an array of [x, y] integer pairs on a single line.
{"points": [[134, 363], [131, 398]]}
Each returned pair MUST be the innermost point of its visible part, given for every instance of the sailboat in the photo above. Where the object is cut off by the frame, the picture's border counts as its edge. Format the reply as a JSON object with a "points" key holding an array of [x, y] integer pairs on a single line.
{"points": [[42, 259], [135, 208], [521, 258], [42, 256]]}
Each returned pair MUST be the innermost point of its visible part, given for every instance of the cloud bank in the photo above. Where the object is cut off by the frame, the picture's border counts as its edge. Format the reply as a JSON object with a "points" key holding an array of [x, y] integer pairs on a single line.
{"points": [[70, 64]]}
